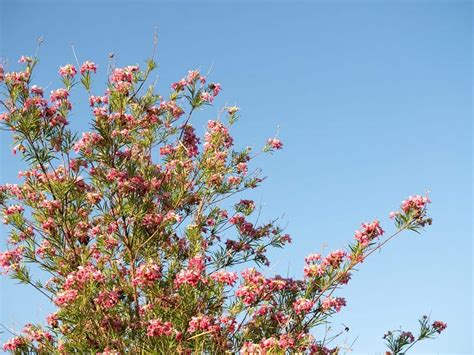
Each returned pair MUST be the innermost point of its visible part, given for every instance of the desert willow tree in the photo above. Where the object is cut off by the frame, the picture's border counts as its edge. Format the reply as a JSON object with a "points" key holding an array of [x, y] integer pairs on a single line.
{"points": [[130, 222]]}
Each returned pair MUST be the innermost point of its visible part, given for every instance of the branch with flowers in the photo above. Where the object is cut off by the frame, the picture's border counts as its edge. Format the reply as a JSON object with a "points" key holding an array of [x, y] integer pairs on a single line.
{"points": [[131, 228]]}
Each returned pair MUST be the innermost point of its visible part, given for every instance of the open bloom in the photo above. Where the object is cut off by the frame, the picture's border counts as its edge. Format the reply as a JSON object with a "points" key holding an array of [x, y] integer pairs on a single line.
{"points": [[67, 71], [88, 67]]}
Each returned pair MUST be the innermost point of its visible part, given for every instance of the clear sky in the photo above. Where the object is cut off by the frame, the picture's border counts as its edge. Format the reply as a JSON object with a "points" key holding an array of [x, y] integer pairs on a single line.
{"points": [[373, 100]]}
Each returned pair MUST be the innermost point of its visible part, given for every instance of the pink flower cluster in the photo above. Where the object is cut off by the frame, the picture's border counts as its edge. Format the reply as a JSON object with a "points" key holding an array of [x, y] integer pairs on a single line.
{"points": [[86, 143], [33, 333], [257, 288], [147, 275], [275, 143], [88, 67], [192, 274], [202, 323], [107, 299], [191, 79], [225, 277], [369, 232], [217, 136], [190, 141], [439, 326], [122, 78], [65, 298], [302, 343], [302, 305], [157, 328], [415, 203], [316, 266], [67, 71], [335, 303], [10, 259], [14, 344], [59, 95], [84, 274]]}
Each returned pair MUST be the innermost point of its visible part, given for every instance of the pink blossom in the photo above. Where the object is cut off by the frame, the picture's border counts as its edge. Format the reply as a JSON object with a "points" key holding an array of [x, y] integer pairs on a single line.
{"points": [[269, 343], [368, 232], [275, 143], [205, 96], [314, 270], [439, 326], [67, 71], [312, 258], [147, 275], [302, 305], [52, 320], [14, 344], [286, 341], [192, 76], [10, 259], [192, 274], [216, 88], [59, 94], [65, 298], [415, 203], [180, 85], [335, 258], [157, 328], [202, 323], [225, 277], [333, 303], [25, 59], [88, 67], [107, 299], [14, 209], [37, 90]]}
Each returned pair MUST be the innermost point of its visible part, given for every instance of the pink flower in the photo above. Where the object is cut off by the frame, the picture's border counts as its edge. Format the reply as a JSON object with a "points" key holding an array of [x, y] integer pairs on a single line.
{"points": [[216, 88], [202, 323], [335, 258], [314, 270], [333, 303], [302, 305], [37, 90], [107, 299], [25, 59], [408, 337], [67, 71], [192, 274], [59, 94], [268, 343], [368, 232], [415, 203], [312, 258], [193, 75], [439, 326], [180, 85], [225, 277], [10, 259], [275, 143], [205, 96], [52, 320], [88, 67], [65, 298], [147, 275], [14, 209], [158, 328], [14, 344]]}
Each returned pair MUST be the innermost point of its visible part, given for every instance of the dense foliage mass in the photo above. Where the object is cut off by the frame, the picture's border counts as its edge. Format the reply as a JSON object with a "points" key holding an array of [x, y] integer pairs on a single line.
{"points": [[132, 221]]}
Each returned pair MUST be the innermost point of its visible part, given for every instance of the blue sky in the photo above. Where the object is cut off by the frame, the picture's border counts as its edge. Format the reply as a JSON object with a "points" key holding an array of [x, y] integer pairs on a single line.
{"points": [[373, 101]]}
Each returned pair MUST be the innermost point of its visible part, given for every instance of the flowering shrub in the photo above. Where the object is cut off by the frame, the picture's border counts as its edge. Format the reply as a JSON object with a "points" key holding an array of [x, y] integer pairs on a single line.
{"points": [[128, 221]]}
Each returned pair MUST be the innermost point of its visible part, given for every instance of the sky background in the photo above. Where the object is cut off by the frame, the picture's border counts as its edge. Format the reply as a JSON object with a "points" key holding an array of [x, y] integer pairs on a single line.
{"points": [[373, 102]]}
